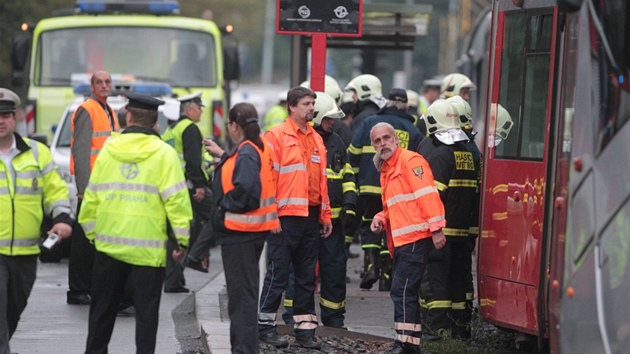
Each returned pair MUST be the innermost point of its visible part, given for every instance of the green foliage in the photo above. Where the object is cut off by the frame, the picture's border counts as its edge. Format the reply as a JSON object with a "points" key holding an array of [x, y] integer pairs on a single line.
{"points": [[14, 13]]}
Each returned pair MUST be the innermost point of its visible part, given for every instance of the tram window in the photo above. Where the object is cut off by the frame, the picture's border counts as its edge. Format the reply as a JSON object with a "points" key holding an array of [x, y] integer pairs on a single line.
{"points": [[534, 106], [524, 80], [614, 66], [510, 84]]}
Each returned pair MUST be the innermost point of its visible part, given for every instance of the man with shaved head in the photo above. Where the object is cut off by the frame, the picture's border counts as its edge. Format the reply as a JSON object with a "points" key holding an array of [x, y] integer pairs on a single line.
{"points": [[92, 124]]}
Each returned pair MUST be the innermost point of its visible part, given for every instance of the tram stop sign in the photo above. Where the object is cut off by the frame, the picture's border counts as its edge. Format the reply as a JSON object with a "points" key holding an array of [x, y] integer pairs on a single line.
{"points": [[332, 17]]}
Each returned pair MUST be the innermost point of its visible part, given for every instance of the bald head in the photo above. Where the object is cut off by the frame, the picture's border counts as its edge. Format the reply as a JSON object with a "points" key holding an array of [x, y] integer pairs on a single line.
{"points": [[101, 85]]}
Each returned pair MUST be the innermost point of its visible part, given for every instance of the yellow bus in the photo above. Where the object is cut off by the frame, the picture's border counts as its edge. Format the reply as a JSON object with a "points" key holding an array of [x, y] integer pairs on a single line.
{"points": [[136, 41]]}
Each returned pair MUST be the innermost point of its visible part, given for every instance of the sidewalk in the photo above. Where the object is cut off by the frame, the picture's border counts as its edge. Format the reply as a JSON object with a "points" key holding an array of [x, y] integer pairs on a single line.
{"points": [[367, 312]]}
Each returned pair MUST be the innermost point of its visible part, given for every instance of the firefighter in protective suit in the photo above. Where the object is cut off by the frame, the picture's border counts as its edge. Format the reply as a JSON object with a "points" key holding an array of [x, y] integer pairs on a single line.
{"points": [[367, 95], [443, 290], [342, 193]]}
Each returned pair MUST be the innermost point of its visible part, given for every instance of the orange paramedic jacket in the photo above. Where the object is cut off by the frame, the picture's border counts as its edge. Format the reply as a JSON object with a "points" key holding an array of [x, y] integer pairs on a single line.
{"points": [[292, 176], [412, 208]]}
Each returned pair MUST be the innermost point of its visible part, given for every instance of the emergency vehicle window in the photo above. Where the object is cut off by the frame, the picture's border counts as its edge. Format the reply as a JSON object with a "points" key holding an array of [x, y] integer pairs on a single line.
{"points": [[71, 55]]}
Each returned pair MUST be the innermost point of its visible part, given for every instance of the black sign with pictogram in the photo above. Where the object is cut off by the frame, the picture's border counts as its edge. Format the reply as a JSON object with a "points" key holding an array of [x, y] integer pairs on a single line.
{"points": [[333, 17]]}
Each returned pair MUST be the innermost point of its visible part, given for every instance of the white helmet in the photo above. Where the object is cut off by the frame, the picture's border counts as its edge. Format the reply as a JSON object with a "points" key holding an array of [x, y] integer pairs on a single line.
{"points": [[331, 87], [412, 98], [366, 86], [325, 106], [453, 83], [504, 122], [282, 95], [440, 116], [464, 110]]}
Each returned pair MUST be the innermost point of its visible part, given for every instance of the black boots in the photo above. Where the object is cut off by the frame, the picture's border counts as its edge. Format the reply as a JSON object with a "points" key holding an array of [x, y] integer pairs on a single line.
{"points": [[385, 281], [373, 268]]}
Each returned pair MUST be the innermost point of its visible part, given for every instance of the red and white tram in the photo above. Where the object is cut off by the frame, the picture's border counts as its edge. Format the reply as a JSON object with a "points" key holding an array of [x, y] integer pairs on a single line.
{"points": [[555, 219]]}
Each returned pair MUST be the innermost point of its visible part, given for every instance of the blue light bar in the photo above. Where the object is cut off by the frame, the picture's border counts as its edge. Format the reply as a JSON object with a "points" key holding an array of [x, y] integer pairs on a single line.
{"points": [[154, 7], [148, 88]]}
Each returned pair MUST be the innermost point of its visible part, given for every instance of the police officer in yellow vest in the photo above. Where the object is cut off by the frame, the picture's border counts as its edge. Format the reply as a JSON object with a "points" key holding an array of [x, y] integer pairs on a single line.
{"points": [[28, 181], [185, 137], [134, 192]]}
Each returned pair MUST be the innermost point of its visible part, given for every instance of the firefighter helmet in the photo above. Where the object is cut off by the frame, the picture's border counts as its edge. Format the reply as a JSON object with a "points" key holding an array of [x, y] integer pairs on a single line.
{"points": [[325, 106], [464, 110], [504, 122], [453, 83], [366, 86], [331, 87], [412, 98], [440, 116]]}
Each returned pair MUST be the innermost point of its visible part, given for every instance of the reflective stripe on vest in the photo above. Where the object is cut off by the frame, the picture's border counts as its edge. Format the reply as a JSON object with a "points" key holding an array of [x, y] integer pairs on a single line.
{"points": [[265, 218]]}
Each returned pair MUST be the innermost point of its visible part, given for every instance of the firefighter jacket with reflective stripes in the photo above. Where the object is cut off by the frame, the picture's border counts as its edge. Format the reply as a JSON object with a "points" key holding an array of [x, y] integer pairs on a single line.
{"points": [[185, 137], [456, 178], [342, 190], [101, 128], [292, 175], [248, 202], [36, 189], [411, 202], [134, 191], [361, 153]]}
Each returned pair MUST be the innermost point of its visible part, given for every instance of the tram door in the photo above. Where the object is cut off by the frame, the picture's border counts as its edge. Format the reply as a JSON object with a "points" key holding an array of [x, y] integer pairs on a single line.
{"points": [[516, 157]]}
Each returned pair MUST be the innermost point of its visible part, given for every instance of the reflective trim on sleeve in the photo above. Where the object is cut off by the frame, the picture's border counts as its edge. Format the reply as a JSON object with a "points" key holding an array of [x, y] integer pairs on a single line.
{"points": [[168, 192], [48, 168], [89, 226], [292, 168], [441, 186], [462, 183], [410, 196]]}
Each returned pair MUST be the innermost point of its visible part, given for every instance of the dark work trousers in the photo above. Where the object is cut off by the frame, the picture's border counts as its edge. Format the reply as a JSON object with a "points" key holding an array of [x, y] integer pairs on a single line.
{"points": [[201, 235], [435, 291], [81, 260], [240, 263], [408, 270], [461, 283], [298, 245], [110, 276], [174, 273], [333, 258], [17, 276], [372, 205]]}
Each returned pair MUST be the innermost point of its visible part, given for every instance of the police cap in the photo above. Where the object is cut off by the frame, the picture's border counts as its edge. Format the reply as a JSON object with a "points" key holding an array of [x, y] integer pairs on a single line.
{"points": [[141, 101], [398, 94], [193, 97], [9, 100]]}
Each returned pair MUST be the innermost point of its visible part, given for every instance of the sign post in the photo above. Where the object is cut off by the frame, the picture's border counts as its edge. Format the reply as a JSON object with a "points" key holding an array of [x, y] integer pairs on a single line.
{"points": [[319, 19]]}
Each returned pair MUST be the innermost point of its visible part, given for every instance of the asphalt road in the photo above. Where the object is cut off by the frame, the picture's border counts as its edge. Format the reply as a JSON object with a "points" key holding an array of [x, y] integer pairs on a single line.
{"points": [[49, 325]]}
